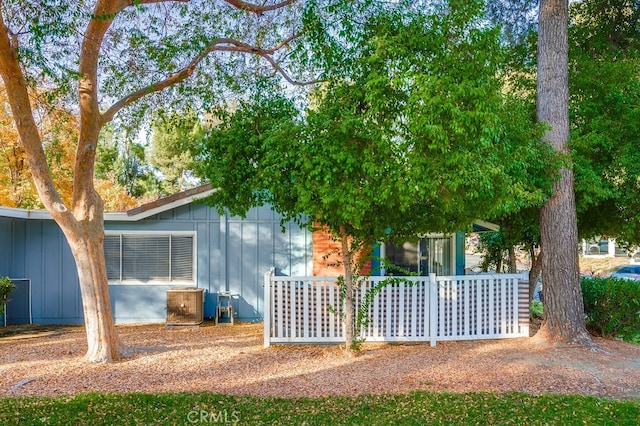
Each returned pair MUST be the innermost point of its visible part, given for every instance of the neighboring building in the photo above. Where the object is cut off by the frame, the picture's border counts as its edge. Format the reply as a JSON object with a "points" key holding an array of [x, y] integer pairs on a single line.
{"points": [[605, 247], [176, 241]]}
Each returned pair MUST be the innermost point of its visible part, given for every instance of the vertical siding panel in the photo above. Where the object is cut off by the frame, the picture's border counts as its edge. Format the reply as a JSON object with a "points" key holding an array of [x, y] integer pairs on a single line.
{"points": [[223, 244], [33, 264], [6, 244], [229, 255], [234, 256], [248, 277], [18, 266], [200, 211], [52, 276], [264, 261], [282, 256], [71, 300]]}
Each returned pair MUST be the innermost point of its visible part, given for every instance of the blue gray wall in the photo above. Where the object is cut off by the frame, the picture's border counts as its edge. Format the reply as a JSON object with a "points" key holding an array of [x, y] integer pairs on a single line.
{"points": [[39, 252], [232, 254]]}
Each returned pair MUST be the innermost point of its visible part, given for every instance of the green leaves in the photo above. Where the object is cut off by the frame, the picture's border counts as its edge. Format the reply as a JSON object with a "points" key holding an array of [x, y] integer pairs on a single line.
{"points": [[605, 94], [612, 307], [416, 135], [243, 155]]}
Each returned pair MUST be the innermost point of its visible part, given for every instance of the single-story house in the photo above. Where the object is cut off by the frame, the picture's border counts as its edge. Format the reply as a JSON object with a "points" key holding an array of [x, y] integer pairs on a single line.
{"points": [[179, 242]]}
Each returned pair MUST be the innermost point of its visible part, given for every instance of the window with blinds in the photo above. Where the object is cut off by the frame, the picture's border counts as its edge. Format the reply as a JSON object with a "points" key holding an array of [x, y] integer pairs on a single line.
{"points": [[149, 257]]}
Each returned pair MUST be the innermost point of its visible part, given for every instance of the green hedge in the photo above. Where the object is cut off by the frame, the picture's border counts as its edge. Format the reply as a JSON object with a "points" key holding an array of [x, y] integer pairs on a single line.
{"points": [[612, 307]]}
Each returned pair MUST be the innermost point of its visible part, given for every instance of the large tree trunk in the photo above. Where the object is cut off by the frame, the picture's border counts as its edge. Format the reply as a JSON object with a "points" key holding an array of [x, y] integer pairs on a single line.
{"points": [[349, 311], [102, 340], [83, 224], [87, 246], [563, 305]]}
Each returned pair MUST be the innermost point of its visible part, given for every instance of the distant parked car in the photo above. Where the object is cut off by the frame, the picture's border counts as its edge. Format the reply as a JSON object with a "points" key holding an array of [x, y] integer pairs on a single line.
{"points": [[629, 272]]}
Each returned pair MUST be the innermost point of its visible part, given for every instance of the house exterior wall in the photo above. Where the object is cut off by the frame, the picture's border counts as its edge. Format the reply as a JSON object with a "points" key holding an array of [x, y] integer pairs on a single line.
{"points": [[231, 254], [326, 258], [6, 242], [39, 252]]}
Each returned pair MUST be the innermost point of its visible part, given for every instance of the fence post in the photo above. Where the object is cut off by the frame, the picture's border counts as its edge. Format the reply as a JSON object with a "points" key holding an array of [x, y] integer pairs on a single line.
{"points": [[267, 307], [523, 304], [433, 308]]}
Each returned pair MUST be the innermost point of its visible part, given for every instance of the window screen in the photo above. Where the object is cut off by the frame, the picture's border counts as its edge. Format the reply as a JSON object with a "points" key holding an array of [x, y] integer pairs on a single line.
{"points": [[182, 258], [112, 256], [153, 257]]}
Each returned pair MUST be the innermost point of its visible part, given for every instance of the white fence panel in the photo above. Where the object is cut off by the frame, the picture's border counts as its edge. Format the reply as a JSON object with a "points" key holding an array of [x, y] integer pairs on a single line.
{"points": [[480, 307], [309, 309]]}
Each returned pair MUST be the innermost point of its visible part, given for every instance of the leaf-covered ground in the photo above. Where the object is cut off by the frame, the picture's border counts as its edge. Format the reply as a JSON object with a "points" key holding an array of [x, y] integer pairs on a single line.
{"points": [[232, 360]]}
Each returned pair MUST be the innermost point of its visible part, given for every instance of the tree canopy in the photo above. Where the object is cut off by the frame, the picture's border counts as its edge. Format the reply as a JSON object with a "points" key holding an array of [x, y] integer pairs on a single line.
{"points": [[59, 130], [418, 136], [173, 148], [422, 112], [98, 58], [605, 113]]}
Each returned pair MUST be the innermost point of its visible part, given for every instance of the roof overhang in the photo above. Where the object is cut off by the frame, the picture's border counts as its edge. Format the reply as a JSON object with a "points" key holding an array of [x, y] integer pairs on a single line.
{"points": [[484, 226], [142, 212]]}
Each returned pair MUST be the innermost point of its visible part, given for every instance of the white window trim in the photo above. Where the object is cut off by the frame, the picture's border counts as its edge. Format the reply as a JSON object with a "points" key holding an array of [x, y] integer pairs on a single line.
{"points": [[192, 234]]}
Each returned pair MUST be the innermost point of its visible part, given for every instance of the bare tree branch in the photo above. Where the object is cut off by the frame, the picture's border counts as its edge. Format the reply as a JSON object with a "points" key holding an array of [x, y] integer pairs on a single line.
{"points": [[220, 45], [257, 9]]}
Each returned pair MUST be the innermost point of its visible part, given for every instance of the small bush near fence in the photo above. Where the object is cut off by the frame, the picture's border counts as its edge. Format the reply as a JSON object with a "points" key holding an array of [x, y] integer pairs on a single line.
{"points": [[612, 307], [6, 287], [536, 310]]}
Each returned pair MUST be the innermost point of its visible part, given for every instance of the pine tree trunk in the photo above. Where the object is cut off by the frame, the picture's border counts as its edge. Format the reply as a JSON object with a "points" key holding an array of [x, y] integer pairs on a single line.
{"points": [[534, 273], [513, 261], [563, 305]]}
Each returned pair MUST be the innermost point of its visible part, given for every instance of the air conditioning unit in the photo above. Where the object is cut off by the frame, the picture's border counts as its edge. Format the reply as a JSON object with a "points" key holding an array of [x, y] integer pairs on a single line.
{"points": [[185, 306]]}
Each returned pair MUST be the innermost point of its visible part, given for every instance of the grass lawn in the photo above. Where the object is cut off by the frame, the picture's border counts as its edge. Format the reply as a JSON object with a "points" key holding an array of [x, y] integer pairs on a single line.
{"points": [[416, 408]]}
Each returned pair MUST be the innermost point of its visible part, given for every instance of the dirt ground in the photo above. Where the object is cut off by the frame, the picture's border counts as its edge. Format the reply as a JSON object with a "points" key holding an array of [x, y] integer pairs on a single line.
{"points": [[231, 359], [602, 267]]}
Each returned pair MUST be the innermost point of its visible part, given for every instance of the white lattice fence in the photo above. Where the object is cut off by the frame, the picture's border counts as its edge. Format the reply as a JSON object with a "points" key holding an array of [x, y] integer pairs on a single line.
{"points": [[308, 309]]}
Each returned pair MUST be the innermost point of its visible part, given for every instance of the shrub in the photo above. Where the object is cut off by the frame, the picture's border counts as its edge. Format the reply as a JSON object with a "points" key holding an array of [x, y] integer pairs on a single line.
{"points": [[612, 307], [536, 310], [6, 287]]}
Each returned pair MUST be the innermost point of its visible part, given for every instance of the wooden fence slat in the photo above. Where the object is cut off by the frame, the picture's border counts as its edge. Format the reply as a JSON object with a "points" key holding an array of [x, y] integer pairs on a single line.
{"points": [[319, 312], [281, 310], [414, 315], [375, 330]]}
